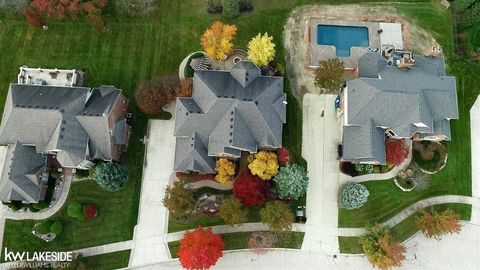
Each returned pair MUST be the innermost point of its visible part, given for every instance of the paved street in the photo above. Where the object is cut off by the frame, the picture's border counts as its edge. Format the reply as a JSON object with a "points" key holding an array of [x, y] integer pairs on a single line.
{"points": [[321, 136], [148, 241]]}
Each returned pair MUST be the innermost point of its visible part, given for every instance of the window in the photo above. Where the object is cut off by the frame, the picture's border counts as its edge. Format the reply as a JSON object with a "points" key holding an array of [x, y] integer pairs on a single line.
{"points": [[420, 125], [390, 134]]}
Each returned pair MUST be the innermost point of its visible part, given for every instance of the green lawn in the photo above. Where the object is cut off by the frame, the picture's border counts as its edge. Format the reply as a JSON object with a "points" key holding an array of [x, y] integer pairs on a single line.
{"points": [[114, 222], [239, 240], [385, 198], [404, 229], [109, 261]]}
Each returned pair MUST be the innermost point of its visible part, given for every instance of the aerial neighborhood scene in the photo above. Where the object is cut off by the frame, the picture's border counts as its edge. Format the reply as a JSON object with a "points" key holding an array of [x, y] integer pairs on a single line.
{"points": [[240, 134]]}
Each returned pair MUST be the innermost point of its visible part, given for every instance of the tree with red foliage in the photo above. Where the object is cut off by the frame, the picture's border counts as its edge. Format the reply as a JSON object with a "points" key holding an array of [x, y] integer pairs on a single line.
{"points": [[200, 249], [250, 189], [90, 211], [32, 18], [397, 151], [283, 156]]}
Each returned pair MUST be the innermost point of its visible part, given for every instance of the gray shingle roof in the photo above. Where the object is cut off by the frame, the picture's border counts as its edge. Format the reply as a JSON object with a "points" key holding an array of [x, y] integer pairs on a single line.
{"points": [[396, 99], [229, 112], [19, 180], [73, 120]]}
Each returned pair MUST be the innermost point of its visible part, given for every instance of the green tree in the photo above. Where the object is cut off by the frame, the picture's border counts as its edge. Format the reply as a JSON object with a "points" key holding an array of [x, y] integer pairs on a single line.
{"points": [[381, 250], [291, 181], [179, 200], [233, 212], [44, 227], [435, 224], [277, 215], [231, 8], [461, 5], [56, 227], [329, 75], [470, 16], [353, 195], [75, 210], [111, 176]]}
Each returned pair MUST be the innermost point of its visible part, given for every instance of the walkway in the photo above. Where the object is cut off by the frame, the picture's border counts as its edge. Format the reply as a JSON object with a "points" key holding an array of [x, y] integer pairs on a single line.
{"points": [[148, 243], [422, 254], [321, 136], [475, 137]]}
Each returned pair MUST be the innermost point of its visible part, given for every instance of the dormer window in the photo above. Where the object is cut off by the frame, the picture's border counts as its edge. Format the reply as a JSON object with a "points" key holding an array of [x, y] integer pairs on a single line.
{"points": [[420, 125]]}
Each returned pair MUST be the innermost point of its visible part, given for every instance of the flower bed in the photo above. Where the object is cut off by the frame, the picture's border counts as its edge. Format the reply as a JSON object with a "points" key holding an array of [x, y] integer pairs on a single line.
{"points": [[430, 156], [195, 177]]}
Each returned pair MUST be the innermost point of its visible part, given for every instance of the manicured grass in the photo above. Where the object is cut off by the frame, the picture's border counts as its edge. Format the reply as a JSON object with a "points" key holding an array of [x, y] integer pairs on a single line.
{"points": [[385, 198], [239, 240], [404, 229], [114, 222], [109, 261]]}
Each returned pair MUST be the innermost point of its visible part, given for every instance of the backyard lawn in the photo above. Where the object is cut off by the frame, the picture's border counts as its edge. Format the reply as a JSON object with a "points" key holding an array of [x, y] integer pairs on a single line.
{"points": [[385, 198], [404, 229]]}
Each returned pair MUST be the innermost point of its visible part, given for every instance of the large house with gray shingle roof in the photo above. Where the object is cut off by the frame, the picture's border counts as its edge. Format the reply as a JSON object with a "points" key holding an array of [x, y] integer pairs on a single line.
{"points": [[230, 112], [72, 125], [391, 102]]}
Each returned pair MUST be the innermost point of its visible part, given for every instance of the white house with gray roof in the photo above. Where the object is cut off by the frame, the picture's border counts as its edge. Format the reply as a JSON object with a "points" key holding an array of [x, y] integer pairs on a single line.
{"points": [[391, 102], [72, 125], [230, 112]]}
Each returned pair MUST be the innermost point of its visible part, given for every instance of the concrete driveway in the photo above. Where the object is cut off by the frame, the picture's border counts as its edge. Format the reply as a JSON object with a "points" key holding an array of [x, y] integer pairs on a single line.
{"points": [[321, 136], [148, 239]]}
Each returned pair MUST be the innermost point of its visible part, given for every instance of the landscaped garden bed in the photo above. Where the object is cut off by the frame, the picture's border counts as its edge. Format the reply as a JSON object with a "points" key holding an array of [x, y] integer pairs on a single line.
{"points": [[241, 240], [430, 156]]}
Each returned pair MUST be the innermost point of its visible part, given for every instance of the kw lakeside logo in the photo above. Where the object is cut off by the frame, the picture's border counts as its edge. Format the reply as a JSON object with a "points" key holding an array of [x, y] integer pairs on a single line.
{"points": [[38, 259]]}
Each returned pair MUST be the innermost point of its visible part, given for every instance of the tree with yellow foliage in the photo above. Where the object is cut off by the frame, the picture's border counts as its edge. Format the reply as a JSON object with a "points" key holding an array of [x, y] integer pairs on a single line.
{"points": [[265, 165], [225, 171], [217, 40], [261, 50]]}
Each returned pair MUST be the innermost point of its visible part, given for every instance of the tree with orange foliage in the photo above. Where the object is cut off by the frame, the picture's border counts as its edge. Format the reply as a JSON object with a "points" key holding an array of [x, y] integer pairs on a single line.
{"points": [[200, 249], [397, 151], [217, 40], [435, 224], [153, 95], [381, 250], [32, 18]]}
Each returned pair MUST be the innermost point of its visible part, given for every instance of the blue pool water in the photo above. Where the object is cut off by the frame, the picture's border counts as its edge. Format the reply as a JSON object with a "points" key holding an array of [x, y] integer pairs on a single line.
{"points": [[342, 37]]}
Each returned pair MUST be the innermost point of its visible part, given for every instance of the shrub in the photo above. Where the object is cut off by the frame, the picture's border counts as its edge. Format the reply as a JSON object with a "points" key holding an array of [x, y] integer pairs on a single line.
{"points": [[200, 249], [15, 205], [261, 50], [283, 156], [82, 173], [179, 200], [55, 174], [44, 227], [470, 16], [231, 8], [396, 151], [359, 167], [225, 171], [380, 249], [461, 5], [90, 211], [32, 208], [250, 189], [434, 224], [369, 168], [329, 75], [265, 165], [56, 227], [32, 18], [217, 41], [291, 181], [74, 210], [153, 95], [277, 215], [353, 195], [40, 205], [111, 176], [233, 212]]}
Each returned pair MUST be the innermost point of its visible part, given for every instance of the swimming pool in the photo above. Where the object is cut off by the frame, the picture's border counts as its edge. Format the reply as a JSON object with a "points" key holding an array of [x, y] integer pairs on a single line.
{"points": [[342, 37]]}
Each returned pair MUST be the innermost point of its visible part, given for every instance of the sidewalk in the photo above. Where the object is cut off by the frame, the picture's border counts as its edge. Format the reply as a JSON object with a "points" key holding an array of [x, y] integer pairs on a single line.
{"points": [[148, 243], [321, 136], [475, 137]]}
